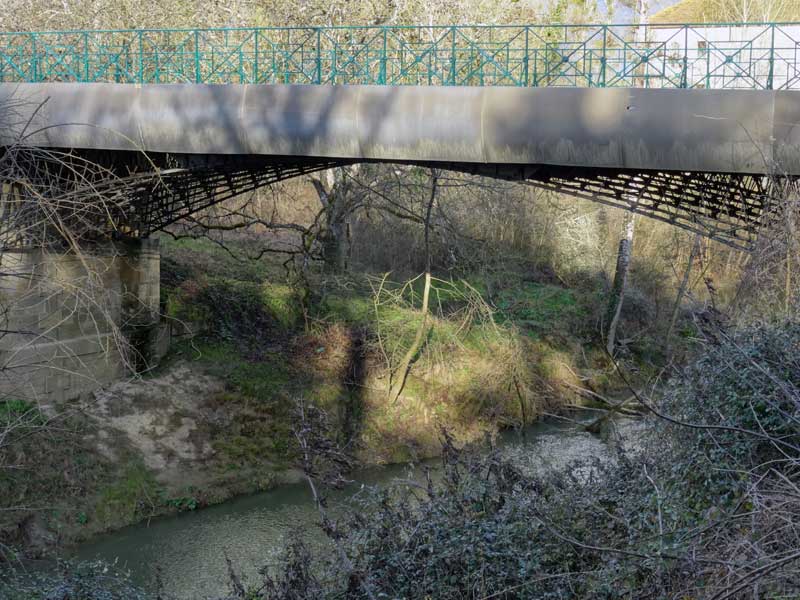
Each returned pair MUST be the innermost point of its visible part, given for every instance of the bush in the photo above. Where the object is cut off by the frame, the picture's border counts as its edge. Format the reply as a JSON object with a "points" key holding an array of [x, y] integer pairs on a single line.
{"points": [[70, 581]]}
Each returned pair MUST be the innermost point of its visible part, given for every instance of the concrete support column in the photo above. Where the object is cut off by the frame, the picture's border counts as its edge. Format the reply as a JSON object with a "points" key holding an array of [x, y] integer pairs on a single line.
{"points": [[70, 324], [140, 277]]}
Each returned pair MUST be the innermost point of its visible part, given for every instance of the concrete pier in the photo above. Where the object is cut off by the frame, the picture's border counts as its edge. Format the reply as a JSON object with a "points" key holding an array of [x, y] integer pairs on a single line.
{"points": [[72, 323]]}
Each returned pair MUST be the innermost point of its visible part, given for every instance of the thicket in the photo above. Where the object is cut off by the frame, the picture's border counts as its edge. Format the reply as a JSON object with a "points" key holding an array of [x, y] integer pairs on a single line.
{"points": [[494, 352]]}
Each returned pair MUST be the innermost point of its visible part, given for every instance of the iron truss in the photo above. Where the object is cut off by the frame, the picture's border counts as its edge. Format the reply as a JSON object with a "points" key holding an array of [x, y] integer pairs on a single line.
{"points": [[729, 208], [160, 190], [184, 185]]}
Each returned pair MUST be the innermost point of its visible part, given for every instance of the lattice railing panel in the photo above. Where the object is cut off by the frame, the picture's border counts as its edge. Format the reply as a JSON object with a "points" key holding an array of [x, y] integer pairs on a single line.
{"points": [[719, 56]]}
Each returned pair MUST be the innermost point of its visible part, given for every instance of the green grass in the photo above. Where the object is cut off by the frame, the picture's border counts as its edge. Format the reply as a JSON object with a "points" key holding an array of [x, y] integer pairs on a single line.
{"points": [[255, 341], [282, 304], [20, 412], [539, 308], [252, 337], [203, 258], [261, 379], [351, 309], [58, 468], [257, 401], [133, 494]]}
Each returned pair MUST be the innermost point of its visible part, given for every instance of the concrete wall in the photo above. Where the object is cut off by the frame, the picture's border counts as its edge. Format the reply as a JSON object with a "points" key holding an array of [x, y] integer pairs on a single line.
{"points": [[73, 324]]}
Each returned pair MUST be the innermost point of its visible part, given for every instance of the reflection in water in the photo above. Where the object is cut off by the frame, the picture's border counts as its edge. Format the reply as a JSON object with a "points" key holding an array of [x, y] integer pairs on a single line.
{"points": [[190, 548]]}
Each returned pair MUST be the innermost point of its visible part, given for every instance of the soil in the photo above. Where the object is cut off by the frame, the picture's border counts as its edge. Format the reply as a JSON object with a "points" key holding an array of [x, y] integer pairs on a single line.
{"points": [[164, 418]]}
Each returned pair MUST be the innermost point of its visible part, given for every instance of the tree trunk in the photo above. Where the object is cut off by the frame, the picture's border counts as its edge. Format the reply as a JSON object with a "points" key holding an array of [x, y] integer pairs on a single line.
{"points": [[620, 280], [626, 243], [791, 252], [404, 368], [336, 247], [682, 289], [335, 238]]}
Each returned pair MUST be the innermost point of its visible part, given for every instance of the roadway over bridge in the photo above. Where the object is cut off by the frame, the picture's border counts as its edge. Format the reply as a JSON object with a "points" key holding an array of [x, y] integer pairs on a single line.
{"points": [[514, 103]]}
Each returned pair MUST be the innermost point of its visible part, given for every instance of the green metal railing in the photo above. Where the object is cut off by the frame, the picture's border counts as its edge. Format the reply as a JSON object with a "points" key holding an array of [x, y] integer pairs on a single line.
{"points": [[749, 56]]}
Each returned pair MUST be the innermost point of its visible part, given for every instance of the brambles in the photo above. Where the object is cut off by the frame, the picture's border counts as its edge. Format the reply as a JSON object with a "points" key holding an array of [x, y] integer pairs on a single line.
{"points": [[67, 581]]}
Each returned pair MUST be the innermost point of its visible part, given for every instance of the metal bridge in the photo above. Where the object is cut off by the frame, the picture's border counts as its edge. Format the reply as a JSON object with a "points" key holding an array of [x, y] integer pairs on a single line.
{"points": [[697, 123]]}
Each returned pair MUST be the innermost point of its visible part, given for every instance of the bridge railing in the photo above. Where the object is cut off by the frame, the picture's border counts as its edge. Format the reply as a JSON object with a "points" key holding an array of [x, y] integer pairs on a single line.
{"points": [[718, 56]]}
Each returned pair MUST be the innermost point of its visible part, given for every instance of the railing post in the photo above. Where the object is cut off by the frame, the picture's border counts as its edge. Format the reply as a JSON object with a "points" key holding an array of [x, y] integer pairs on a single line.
{"points": [[382, 72], [34, 59], [197, 76], [453, 55], [525, 61], [604, 57], [86, 56], [685, 71], [255, 55], [141, 56], [242, 75], [334, 62], [770, 81], [318, 74]]}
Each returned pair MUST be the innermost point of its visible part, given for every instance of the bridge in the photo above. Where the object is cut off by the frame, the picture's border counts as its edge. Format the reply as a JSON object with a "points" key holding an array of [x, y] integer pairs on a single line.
{"points": [[692, 125], [680, 123]]}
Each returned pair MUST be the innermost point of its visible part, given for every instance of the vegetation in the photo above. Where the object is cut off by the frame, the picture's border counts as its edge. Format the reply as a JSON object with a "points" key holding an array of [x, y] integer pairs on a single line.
{"points": [[84, 581], [692, 515], [340, 349], [692, 511], [728, 11]]}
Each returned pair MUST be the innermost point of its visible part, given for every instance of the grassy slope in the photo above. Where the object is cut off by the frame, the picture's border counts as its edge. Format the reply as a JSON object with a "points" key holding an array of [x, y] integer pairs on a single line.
{"points": [[478, 367]]}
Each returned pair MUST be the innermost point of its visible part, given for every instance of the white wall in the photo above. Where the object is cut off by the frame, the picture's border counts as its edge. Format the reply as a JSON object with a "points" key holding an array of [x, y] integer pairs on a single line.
{"points": [[749, 48]]}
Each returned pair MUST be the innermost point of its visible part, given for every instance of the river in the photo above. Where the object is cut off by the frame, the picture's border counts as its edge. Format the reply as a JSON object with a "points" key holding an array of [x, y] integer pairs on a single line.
{"points": [[189, 549]]}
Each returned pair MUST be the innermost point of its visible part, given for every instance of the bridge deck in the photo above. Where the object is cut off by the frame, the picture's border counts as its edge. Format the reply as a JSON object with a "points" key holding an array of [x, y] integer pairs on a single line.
{"points": [[712, 131]]}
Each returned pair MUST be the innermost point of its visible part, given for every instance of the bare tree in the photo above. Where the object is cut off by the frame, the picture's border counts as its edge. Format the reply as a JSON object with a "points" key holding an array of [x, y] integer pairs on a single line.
{"points": [[400, 374], [751, 11], [620, 281], [682, 288]]}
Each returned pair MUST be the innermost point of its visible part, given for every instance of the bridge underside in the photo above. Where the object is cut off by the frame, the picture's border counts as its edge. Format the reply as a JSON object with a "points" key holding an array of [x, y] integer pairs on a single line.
{"points": [[158, 190]]}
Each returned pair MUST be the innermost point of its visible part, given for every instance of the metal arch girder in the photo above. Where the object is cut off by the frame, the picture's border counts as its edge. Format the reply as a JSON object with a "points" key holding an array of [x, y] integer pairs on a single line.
{"points": [[185, 192], [729, 208], [160, 189]]}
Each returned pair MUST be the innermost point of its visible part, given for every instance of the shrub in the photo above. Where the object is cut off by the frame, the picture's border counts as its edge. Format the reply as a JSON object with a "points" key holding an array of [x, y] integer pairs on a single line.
{"points": [[68, 581]]}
